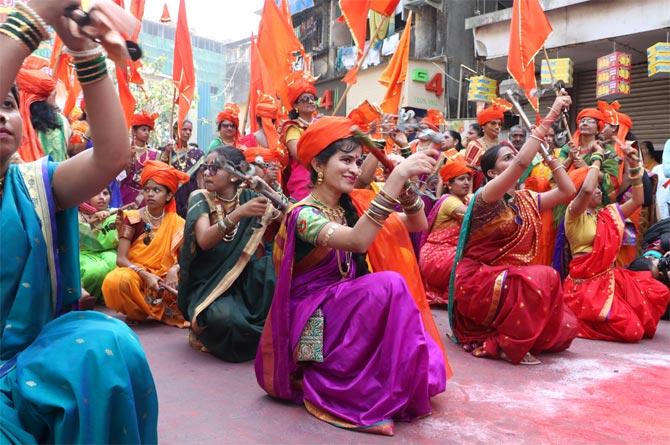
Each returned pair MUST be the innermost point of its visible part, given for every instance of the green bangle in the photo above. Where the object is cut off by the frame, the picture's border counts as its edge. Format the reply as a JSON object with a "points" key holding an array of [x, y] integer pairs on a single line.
{"points": [[17, 16], [90, 63], [14, 32]]}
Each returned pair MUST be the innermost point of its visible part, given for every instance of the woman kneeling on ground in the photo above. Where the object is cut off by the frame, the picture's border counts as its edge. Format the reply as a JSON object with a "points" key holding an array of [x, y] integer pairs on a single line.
{"points": [[144, 285], [348, 344], [227, 280], [499, 306]]}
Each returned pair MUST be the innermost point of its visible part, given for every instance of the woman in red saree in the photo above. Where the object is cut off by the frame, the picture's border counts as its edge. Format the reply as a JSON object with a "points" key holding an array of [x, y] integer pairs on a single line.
{"points": [[610, 302], [438, 244], [502, 307]]}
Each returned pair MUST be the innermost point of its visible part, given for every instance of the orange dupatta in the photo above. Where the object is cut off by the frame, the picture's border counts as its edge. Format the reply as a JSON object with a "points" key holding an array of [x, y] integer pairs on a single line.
{"points": [[392, 250]]}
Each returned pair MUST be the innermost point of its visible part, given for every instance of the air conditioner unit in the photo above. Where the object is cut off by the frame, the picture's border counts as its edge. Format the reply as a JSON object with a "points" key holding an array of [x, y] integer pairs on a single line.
{"points": [[416, 4]]}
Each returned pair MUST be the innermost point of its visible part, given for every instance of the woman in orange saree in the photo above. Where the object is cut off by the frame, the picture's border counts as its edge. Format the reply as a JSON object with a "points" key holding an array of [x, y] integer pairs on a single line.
{"points": [[143, 284], [500, 306], [611, 303], [438, 244]]}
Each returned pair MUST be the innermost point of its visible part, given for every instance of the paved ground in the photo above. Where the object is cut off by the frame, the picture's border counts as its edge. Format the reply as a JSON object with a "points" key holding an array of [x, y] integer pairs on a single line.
{"points": [[596, 392]]}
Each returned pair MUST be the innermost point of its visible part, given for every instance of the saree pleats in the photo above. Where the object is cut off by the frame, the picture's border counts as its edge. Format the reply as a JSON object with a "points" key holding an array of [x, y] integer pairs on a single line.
{"points": [[612, 303], [500, 302], [379, 362], [231, 325], [81, 377]]}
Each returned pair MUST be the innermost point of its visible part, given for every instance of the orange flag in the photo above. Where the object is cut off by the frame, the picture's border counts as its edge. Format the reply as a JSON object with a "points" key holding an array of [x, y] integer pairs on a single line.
{"points": [[126, 97], [393, 77], [260, 79], [278, 45], [528, 32], [384, 7], [355, 15], [165, 17], [183, 71]]}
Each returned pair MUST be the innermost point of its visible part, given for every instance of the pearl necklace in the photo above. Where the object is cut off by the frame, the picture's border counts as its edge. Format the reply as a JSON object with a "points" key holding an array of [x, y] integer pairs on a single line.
{"points": [[154, 220]]}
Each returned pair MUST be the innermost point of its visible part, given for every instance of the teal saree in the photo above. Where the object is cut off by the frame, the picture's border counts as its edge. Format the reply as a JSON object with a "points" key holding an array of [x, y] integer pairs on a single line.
{"points": [[228, 289], [75, 377]]}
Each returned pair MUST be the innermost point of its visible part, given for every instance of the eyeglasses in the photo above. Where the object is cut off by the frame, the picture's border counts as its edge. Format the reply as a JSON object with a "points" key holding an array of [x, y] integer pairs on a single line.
{"points": [[213, 169], [230, 126], [306, 100]]}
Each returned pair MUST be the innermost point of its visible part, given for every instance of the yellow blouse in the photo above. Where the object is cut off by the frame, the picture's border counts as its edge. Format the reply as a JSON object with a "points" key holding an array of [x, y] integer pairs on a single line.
{"points": [[580, 231], [447, 211]]}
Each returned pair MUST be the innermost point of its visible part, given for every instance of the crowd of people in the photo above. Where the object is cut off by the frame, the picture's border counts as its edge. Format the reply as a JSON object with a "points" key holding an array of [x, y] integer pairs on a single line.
{"points": [[315, 246]]}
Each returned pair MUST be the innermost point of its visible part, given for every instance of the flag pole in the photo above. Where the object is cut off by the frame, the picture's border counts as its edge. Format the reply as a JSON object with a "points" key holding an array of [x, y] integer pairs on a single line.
{"points": [[171, 130], [564, 119], [359, 64]]}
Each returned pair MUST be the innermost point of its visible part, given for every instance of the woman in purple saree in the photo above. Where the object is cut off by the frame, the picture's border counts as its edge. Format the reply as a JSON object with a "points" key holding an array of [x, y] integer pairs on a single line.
{"points": [[348, 344]]}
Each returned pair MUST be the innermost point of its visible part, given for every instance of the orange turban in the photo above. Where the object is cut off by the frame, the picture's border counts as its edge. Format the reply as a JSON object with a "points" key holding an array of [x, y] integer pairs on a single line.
{"points": [[231, 113], [537, 184], [495, 111], [79, 130], [321, 134], [434, 118], [297, 86], [268, 110], [365, 114], [454, 168], [587, 112], [252, 154], [144, 118], [166, 176], [34, 86], [578, 176]]}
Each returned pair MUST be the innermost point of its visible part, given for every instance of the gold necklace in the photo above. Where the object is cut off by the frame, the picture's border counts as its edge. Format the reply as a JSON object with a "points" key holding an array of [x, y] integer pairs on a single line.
{"points": [[336, 215], [225, 208], [333, 214]]}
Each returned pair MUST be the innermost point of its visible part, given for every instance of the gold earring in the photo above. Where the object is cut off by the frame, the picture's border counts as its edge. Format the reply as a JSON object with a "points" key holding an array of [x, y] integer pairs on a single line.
{"points": [[319, 177]]}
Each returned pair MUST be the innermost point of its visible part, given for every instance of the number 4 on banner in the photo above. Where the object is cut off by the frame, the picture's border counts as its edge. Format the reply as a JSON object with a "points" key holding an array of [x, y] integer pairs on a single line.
{"points": [[436, 85], [326, 101]]}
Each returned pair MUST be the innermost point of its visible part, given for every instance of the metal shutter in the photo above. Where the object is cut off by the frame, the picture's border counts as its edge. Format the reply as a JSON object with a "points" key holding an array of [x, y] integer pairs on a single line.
{"points": [[648, 103]]}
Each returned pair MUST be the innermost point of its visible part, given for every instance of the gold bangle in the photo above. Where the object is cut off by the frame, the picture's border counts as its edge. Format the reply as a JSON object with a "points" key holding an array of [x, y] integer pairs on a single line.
{"points": [[371, 218], [388, 197], [35, 18], [532, 136], [557, 167]]}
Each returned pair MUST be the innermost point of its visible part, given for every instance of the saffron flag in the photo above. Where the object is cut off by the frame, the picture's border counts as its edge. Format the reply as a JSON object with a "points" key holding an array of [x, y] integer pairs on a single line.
{"points": [[355, 15], [384, 7], [183, 71], [260, 80], [529, 30], [165, 17], [278, 46], [393, 77], [126, 97]]}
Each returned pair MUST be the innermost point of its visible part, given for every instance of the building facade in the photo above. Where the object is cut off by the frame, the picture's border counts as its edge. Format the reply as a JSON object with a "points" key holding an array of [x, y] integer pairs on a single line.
{"points": [[584, 30]]}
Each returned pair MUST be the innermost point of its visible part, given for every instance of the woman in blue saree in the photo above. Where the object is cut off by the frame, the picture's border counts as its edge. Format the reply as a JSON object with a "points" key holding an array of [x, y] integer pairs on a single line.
{"points": [[65, 376]]}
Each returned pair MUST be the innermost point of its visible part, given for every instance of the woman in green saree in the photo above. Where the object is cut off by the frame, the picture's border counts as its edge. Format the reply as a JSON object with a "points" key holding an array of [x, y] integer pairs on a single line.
{"points": [[97, 244], [226, 280]]}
